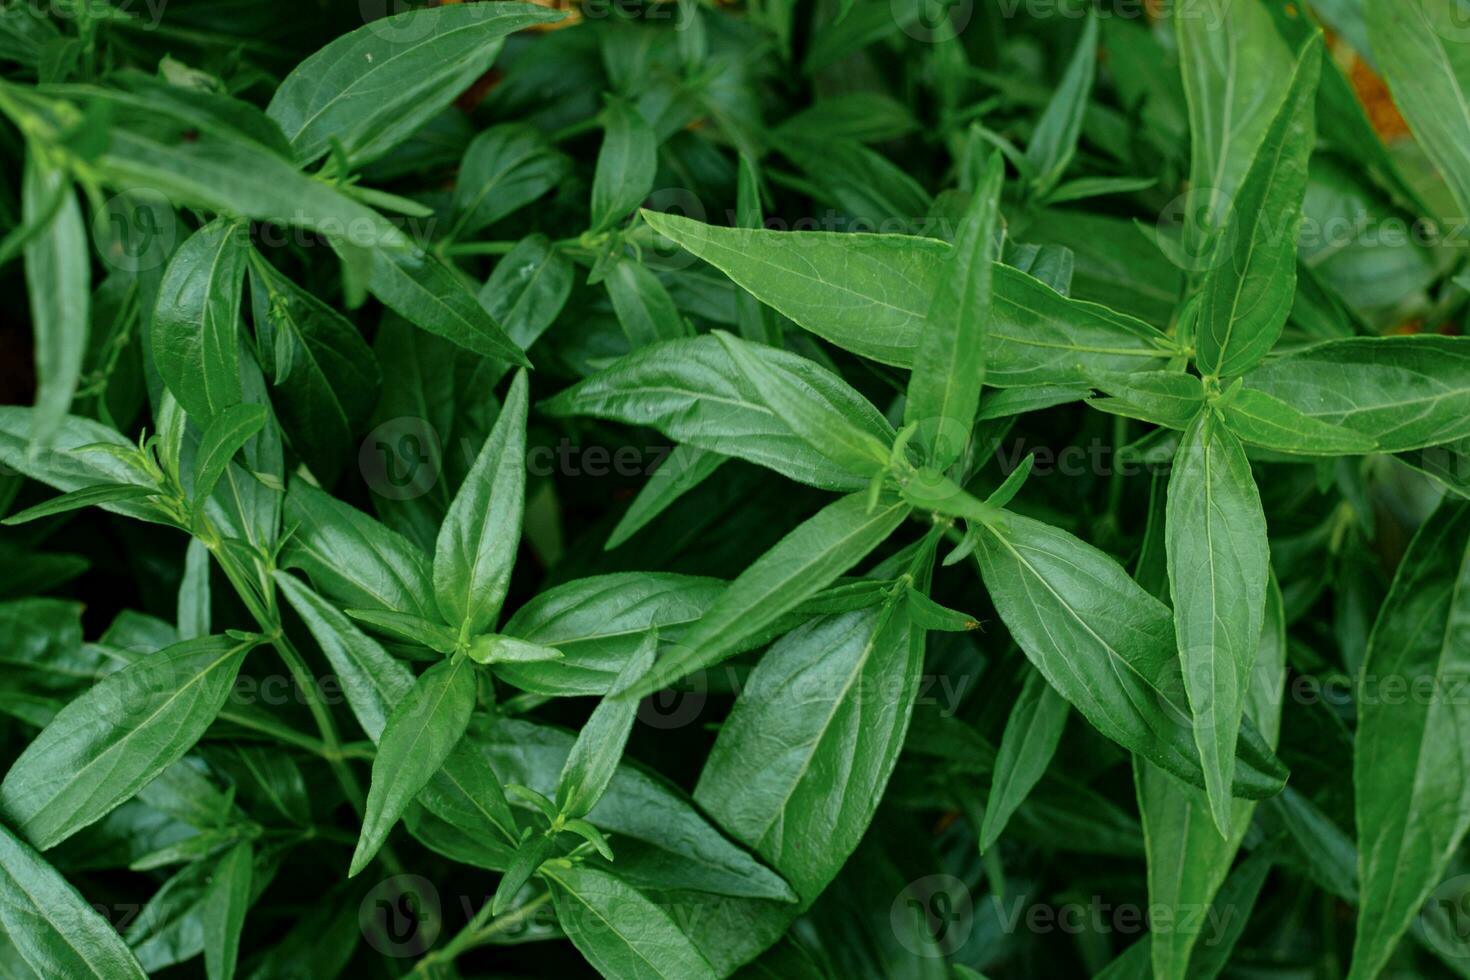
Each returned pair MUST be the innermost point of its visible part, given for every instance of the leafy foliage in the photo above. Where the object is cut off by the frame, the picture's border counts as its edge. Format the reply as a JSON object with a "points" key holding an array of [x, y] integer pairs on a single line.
{"points": [[687, 489]]}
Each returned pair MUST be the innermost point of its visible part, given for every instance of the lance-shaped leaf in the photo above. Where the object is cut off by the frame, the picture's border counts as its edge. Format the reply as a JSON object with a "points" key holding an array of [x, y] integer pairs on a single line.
{"points": [[477, 543], [55, 931], [949, 364], [626, 164], [113, 740], [1236, 71], [694, 392], [807, 751], [225, 902], [1261, 420], [1409, 758], [642, 304], [427, 293], [196, 324], [59, 285], [505, 168], [681, 471], [1403, 392], [1106, 645], [1054, 141], [372, 88], [796, 568], [594, 756], [226, 434], [83, 453], [1419, 46], [621, 932], [352, 558], [1032, 732], [1188, 859], [1251, 282], [1219, 563], [420, 734], [870, 294]]}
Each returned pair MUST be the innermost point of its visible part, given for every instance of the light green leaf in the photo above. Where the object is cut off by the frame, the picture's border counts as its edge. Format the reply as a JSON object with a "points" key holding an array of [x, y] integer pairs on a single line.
{"points": [[421, 732], [681, 471], [113, 740], [196, 324], [56, 931], [372, 88], [1054, 141], [1219, 564], [59, 285], [594, 756], [643, 306], [1261, 420], [797, 567], [1032, 732], [478, 540], [224, 436], [1412, 807], [949, 364], [1248, 291], [224, 904]]}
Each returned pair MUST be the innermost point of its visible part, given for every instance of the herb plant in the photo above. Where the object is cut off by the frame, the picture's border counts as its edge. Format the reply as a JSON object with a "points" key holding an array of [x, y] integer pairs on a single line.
{"points": [[790, 489]]}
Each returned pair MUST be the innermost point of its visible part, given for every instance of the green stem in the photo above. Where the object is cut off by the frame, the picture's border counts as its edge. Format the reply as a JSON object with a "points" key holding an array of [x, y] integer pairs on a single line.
{"points": [[479, 248], [478, 931]]}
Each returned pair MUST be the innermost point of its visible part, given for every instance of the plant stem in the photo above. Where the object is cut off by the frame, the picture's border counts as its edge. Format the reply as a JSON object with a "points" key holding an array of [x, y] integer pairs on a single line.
{"points": [[477, 932]]}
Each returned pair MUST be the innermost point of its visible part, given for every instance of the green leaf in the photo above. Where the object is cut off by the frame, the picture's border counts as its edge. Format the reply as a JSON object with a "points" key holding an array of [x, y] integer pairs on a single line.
{"points": [[621, 932], [528, 856], [1419, 47], [528, 288], [59, 285], [226, 434], [1219, 563], [324, 377], [1236, 71], [478, 540], [102, 493], [409, 628], [370, 89], [1261, 420], [594, 757], [1403, 392], [1248, 291], [1054, 141], [427, 293], [949, 364], [354, 559], [1410, 820], [694, 392], [55, 931], [598, 623], [796, 568], [494, 648], [870, 294], [1188, 859], [1032, 732], [224, 906], [626, 165], [113, 740], [643, 306], [1166, 398], [1105, 645], [837, 424], [196, 325], [419, 735], [505, 168], [804, 757]]}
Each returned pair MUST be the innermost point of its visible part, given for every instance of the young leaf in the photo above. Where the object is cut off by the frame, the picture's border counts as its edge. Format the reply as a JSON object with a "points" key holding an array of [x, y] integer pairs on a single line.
{"points": [[1248, 291], [54, 930], [419, 735], [224, 436], [594, 757], [642, 304], [1054, 141], [949, 365], [478, 540], [794, 569], [681, 471], [113, 740], [102, 493], [1410, 822], [58, 283], [196, 325], [1218, 562], [1030, 739]]}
